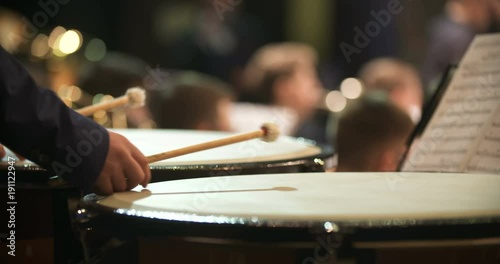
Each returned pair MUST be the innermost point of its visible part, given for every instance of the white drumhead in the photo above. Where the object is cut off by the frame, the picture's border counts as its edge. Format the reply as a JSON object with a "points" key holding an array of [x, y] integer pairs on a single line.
{"points": [[151, 142], [17, 163], [321, 196], [157, 141]]}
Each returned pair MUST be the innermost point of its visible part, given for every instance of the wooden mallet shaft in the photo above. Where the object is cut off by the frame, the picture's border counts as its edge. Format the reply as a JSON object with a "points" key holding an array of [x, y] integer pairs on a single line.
{"points": [[267, 133], [90, 110], [134, 97]]}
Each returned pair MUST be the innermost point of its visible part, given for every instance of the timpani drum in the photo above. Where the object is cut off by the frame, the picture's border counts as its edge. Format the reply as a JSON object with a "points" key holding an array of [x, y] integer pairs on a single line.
{"points": [[286, 154], [298, 217], [43, 228], [49, 195]]}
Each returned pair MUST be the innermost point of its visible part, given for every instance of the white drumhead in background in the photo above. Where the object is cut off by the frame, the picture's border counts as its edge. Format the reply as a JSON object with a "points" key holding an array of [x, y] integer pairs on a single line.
{"points": [[245, 117], [150, 142], [322, 196], [156, 141]]}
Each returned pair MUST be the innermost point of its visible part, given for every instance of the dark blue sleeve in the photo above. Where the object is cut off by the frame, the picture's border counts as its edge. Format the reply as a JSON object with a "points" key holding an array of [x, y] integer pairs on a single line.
{"points": [[35, 123]]}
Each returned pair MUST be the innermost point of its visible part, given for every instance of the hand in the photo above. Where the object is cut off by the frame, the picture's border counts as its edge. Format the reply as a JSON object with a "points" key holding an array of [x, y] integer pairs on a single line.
{"points": [[3, 153], [125, 167]]}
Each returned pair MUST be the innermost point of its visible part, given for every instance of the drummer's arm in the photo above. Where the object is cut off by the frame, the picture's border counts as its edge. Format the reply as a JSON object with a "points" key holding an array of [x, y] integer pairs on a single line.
{"points": [[35, 123]]}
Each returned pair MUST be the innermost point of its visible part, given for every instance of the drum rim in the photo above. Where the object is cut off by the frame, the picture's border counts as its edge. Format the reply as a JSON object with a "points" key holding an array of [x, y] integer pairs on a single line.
{"points": [[326, 151], [89, 201], [51, 180], [23, 167]]}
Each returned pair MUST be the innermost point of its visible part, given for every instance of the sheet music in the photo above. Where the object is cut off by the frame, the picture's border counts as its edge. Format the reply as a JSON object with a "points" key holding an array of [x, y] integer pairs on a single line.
{"points": [[486, 155], [464, 114]]}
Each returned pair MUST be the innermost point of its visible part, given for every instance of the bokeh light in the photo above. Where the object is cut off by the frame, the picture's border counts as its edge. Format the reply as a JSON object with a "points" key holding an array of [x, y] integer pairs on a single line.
{"points": [[351, 88], [69, 42], [40, 46], [55, 34], [335, 101], [95, 50]]}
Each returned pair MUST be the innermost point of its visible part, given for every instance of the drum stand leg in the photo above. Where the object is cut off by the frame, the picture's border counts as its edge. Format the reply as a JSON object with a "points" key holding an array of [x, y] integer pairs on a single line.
{"points": [[113, 251], [85, 249], [101, 246], [65, 245]]}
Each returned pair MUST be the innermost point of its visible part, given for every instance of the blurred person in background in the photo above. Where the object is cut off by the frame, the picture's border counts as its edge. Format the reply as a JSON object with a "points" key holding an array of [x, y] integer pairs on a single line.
{"points": [[15, 40], [12, 38], [372, 134], [211, 37], [452, 32], [495, 4], [400, 80], [358, 14], [191, 100], [284, 74]]}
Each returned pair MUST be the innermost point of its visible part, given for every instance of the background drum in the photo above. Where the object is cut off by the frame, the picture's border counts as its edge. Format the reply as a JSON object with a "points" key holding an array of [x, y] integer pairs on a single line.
{"points": [[298, 218], [45, 197], [285, 155]]}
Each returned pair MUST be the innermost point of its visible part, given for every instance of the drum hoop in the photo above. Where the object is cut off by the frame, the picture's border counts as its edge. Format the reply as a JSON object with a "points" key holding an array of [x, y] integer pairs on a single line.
{"points": [[326, 152], [23, 167], [46, 180], [90, 202]]}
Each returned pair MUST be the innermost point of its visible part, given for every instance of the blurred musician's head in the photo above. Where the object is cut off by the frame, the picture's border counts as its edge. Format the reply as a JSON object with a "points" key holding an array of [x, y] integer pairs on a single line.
{"points": [[190, 100], [399, 79], [495, 10], [372, 134], [113, 75], [284, 74], [11, 31], [476, 14]]}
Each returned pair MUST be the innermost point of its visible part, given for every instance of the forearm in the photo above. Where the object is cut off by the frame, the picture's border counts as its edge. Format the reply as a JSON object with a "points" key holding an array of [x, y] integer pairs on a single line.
{"points": [[35, 123]]}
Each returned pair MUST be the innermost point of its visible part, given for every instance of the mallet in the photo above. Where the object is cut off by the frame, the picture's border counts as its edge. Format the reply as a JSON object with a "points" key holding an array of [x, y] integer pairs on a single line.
{"points": [[134, 97], [269, 132]]}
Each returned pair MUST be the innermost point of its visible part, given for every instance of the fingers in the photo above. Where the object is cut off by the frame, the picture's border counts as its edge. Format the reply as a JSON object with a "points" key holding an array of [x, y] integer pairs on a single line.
{"points": [[21, 158], [103, 186], [125, 167], [119, 182], [143, 162], [133, 172], [2, 152]]}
